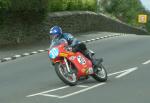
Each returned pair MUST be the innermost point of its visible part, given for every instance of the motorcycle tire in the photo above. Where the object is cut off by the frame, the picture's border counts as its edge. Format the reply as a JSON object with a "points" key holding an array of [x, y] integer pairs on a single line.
{"points": [[62, 76], [100, 74]]}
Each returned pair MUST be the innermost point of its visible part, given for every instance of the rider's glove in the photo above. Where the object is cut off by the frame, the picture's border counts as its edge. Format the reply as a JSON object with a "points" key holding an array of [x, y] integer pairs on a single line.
{"points": [[69, 48]]}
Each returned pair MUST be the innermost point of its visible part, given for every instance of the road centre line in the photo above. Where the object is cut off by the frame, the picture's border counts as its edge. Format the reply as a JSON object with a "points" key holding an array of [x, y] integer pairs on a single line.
{"points": [[147, 62], [84, 86], [26, 54], [83, 90], [47, 91], [127, 72], [49, 95], [122, 73]]}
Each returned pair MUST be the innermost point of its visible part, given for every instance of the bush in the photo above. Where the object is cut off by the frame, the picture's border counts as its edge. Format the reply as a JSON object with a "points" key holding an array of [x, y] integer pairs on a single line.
{"points": [[71, 5], [22, 20], [148, 23], [125, 10], [4, 4]]}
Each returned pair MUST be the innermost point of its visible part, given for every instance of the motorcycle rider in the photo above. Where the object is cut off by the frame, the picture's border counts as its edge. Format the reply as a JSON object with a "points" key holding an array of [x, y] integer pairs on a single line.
{"points": [[57, 34]]}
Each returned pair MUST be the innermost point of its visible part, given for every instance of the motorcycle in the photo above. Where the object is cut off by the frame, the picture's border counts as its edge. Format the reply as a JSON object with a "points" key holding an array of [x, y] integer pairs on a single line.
{"points": [[72, 66]]}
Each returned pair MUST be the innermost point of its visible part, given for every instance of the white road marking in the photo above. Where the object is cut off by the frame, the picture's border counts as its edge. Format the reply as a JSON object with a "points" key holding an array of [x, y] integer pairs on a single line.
{"points": [[17, 56], [88, 40], [147, 62], [49, 95], [92, 39], [105, 36], [110, 35], [111, 74], [26, 54], [84, 86], [41, 50], [97, 38], [122, 73], [47, 91], [80, 91], [9, 58], [127, 72], [34, 52]]}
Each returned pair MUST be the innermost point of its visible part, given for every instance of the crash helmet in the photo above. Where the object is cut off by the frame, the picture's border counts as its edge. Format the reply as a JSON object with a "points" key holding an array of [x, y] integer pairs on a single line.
{"points": [[55, 31]]}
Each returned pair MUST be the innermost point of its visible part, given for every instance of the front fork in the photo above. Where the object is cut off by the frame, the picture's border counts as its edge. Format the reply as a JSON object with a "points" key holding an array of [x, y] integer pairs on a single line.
{"points": [[68, 69]]}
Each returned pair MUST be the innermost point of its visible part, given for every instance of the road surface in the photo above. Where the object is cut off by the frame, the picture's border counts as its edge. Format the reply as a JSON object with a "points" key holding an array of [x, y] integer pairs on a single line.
{"points": [[32, 79]]}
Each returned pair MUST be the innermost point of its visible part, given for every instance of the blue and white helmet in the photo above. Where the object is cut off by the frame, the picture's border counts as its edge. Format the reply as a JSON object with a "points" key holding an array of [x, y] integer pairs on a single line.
{"points": [[55, 31]]}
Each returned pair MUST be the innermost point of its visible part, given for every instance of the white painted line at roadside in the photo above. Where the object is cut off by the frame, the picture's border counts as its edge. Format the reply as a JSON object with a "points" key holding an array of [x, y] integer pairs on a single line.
{"points": [[93, 39], [26, 54], [49, 95], [84, 86], [47, 91], [110, 35], [147, 62], [97, 38], [9, 58], [34, 52], [17, 56], [88, 40], [105, 36], [80, 91], [41, 50], [127, 72]]}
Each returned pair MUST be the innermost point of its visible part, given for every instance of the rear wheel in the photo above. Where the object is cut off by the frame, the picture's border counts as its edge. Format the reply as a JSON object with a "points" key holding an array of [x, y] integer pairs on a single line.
{"points": [[69, 78], [100, 73]]}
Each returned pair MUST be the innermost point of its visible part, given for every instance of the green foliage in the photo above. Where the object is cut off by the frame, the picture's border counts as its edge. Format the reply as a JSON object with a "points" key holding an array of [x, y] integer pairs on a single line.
{"points": [[28, 5], [126, 10], [55, 5], [23, 19], [71, 5], [148, 23], [4, 4]]}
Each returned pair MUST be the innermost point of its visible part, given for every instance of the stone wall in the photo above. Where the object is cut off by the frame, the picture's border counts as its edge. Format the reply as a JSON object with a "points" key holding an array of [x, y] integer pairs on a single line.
{"points": [[75, 22], [78, 22]]}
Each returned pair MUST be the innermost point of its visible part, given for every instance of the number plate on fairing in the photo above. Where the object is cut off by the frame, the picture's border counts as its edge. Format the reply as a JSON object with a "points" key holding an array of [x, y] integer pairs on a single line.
{"points": [[81, 60]]}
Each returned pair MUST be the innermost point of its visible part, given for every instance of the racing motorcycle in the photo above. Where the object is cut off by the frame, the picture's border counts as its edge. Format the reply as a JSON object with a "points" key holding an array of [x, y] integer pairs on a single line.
{"points": [[72, 66]]}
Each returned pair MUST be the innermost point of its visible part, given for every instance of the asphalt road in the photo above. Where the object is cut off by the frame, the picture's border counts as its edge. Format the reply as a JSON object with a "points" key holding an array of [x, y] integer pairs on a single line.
{"points": [[32, 79]]}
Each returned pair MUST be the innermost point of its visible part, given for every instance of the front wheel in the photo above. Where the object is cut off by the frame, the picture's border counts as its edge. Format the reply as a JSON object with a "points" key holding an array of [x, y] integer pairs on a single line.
{"points": [[67, 78], [100, 73]]}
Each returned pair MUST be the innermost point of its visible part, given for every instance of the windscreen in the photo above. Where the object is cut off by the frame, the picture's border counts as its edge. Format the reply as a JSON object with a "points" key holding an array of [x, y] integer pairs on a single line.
{"points": [[56, 42]]}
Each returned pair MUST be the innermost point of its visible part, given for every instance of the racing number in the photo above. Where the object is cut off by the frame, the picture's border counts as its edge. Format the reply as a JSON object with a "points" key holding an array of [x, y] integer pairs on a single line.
{"points": [[81, 60]]}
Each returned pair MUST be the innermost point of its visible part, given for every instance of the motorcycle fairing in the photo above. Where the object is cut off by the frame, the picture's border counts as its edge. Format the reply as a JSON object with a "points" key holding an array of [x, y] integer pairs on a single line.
{"points": [[82, 63]]}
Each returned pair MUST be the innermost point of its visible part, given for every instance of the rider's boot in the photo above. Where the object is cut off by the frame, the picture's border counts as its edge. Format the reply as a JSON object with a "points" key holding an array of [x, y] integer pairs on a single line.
{"points": [[89, 55]]}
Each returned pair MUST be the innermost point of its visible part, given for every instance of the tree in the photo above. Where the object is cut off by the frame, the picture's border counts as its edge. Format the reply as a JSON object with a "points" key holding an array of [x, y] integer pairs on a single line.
{"points": [[125, 10]]}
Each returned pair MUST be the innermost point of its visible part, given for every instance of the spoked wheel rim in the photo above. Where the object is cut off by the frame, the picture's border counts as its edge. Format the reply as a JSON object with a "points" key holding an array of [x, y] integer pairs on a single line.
{"points": [[71, 77], [101, 72]]}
